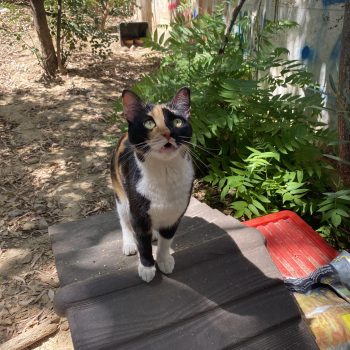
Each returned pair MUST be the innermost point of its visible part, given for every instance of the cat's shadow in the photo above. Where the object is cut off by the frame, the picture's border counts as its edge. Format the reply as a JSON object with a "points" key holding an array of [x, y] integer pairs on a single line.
{"points": [[222, 279], [222, 266]]}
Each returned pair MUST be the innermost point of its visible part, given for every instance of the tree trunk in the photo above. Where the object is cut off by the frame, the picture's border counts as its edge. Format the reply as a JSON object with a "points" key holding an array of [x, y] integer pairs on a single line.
{"points": [[342, 103], [105, 10], [49, 58]]}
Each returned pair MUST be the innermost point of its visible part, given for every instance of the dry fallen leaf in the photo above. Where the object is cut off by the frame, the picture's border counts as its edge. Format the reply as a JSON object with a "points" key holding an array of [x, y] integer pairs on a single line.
{"points": [[51, 294]]}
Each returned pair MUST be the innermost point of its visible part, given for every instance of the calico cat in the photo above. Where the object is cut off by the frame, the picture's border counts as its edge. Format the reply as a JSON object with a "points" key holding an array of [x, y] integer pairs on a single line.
{"points": [[152, 176]]}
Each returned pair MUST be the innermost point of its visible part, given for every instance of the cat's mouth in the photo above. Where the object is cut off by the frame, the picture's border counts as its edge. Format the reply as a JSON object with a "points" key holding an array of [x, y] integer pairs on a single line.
{"points": [[168, 147]]}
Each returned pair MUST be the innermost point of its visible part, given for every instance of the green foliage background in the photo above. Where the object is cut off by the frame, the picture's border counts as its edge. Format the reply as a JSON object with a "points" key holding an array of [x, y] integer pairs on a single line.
{"points": [[81, 24], [264, 149]]}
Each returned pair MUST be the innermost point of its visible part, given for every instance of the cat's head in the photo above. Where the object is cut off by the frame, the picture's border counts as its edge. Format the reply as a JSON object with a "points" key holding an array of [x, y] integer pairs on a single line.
{"points": [[158, 130]]}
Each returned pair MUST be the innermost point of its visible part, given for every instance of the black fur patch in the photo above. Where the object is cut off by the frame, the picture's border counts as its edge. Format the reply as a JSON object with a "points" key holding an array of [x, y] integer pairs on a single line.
{"points": [[144, 246], [169, 232], [136, 131], [181, 134], [139, 206]]}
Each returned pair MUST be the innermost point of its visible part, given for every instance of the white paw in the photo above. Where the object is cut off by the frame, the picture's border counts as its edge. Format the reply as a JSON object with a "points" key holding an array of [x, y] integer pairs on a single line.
{"points": [[166, 264], [147, 273], [129, 249]]}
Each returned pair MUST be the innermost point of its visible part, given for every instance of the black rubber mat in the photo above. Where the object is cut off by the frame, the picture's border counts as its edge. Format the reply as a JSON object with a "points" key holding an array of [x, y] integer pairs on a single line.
{"points": [[225, 292]]}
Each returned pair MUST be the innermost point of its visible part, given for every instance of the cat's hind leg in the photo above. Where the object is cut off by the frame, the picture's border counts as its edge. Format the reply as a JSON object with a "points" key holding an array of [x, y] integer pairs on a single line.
{"points": [[129, 245], [165, 260]]}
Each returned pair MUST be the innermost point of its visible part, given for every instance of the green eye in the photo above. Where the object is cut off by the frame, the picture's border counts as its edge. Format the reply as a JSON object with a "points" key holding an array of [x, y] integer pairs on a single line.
{"points": [[178, 122], [149, 124]]}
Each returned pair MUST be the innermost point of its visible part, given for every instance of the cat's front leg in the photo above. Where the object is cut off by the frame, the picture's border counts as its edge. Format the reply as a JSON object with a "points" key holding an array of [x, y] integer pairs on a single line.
{"points": [[146, 268], [165, 261], [143, 237], [129, 246]]}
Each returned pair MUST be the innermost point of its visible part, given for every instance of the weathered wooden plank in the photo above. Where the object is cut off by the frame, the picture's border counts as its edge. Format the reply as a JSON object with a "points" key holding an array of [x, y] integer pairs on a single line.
{"points": [[105, 257], [105, 227], [208, 251], [198, 289], [224, 292], [84, 233], [211, 326]]}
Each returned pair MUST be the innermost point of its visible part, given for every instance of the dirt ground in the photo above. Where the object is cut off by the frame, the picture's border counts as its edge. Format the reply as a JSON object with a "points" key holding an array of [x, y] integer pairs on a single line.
{"points": [[55, 145]]}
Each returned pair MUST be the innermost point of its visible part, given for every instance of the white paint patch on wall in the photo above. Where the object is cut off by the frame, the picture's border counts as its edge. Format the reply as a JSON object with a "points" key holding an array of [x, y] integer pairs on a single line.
{"points": [[315, 41]]}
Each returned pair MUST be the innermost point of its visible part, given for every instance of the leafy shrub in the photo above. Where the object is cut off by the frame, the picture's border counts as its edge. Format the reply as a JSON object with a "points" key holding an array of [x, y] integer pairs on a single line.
{"points": [[263, 144], [83, 22]]}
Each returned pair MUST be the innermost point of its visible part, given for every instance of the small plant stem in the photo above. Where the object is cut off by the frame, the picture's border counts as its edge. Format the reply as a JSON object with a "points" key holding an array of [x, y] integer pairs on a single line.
{"points": [[234, 15], [58, 35]]}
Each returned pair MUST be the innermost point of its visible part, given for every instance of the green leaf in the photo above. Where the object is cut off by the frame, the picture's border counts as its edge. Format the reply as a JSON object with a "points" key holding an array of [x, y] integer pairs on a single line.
{"points": [[287, 197], [239, 205], [253, 209], [262, 198], [340, 160], [299, 191], [337, 194], [222, 182], [342, 212], [224, 192], [258, 205], [300, 175], [248, 213], [326, 207], [336, 219], [294, 185], [161, 39]]}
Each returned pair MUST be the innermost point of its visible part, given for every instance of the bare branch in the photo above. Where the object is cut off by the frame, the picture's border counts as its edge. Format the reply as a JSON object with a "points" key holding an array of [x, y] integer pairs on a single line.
{"points": [[229, 27]]}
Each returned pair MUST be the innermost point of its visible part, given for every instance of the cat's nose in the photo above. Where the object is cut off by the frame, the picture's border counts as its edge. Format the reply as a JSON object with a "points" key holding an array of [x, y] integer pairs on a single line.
{"points": [[167, 135]]}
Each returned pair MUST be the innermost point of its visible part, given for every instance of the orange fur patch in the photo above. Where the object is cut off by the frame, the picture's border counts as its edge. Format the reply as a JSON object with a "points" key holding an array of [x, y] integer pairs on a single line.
{"points": [[117, 176], [158, 116]]}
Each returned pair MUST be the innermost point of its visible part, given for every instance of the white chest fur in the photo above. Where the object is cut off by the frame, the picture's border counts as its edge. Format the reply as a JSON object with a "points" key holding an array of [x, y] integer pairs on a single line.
{"points": [[166, 184]]}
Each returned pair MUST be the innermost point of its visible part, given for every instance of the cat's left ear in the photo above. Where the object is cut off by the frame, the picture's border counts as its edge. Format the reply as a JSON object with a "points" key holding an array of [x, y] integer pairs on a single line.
{"points": [[132, 105], [182, 102]]}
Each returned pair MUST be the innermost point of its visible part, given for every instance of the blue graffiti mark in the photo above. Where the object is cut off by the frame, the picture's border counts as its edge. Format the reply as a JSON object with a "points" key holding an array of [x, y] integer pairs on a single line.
{"points": [[332, 2], [307, 53], [334, 55]]}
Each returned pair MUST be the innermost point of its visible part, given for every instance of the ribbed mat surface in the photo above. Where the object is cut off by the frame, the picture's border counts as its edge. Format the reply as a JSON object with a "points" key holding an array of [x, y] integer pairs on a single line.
{"points": [[295, 248]]}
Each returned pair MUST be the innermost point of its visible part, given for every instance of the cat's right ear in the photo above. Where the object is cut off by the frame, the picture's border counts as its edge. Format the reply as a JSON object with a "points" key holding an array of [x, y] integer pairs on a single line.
{"points": [[132, 105]]}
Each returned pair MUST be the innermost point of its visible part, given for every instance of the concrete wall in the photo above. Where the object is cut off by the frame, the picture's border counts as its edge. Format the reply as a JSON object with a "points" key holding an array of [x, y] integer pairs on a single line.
{"points": [[316, 41], [161, 12]]}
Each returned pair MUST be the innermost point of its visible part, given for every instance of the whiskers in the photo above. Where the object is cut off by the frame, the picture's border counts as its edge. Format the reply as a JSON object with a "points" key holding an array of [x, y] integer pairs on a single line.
{"points": [[142, 146], [191, 147], [196, 145]]}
